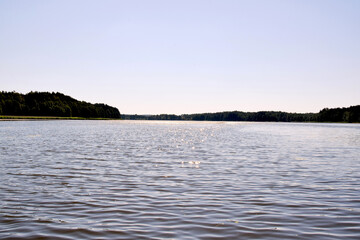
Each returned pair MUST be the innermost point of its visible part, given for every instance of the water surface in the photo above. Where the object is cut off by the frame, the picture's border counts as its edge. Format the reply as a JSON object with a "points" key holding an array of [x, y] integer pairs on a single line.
{"points": [[179, 180]]}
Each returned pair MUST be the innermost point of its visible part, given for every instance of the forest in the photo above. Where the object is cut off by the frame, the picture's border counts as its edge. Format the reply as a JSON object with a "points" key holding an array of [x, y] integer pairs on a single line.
{"points": [[348, 115], [60, 105], [52, 104]]}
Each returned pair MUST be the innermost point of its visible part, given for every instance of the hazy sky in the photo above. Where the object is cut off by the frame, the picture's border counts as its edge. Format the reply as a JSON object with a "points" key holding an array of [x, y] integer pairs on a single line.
{"points": [[185, 56]]}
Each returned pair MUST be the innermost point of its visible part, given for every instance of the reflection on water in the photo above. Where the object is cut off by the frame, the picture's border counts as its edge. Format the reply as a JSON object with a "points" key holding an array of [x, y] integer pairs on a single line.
{"points": [[179, 180]]}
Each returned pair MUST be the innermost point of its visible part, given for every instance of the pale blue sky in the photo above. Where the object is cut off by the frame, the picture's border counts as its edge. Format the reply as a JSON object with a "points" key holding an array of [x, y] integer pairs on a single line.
{"points": [[150, 57]]}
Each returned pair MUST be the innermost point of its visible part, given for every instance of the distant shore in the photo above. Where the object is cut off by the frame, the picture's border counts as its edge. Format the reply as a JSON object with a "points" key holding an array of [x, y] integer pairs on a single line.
{"points": [[341, 115], [40, 105], [35, 118]]}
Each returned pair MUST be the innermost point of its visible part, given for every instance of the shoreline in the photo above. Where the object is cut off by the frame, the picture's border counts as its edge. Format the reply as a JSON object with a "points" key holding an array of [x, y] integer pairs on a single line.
{"points": [[42, 118], [50, 118]]}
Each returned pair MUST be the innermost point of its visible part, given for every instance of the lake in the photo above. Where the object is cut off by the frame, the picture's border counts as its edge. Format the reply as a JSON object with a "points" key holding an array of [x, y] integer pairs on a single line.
{"points": [[179, 180]]}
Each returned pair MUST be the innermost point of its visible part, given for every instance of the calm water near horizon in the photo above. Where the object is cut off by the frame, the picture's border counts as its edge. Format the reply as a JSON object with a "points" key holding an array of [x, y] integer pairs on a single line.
{"points": [[179, 180]]}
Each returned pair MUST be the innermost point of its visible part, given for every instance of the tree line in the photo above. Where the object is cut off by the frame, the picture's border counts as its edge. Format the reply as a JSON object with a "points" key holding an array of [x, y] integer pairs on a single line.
{"points": [[350, 115], [52, 104], [60, 105]]}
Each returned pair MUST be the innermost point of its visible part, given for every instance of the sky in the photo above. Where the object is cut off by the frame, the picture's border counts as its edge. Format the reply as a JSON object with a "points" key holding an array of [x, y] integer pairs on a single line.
{"points": [[185, 56]]}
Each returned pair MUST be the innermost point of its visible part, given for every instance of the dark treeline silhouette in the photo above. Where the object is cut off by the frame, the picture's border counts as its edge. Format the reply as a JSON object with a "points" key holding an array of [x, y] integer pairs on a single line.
{"points": [[52, 104], [60, 105], [350, 114]]}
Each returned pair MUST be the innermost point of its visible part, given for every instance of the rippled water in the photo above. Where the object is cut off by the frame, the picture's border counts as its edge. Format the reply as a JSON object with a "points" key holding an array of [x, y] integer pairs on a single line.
{"points": [[179, 180]]}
